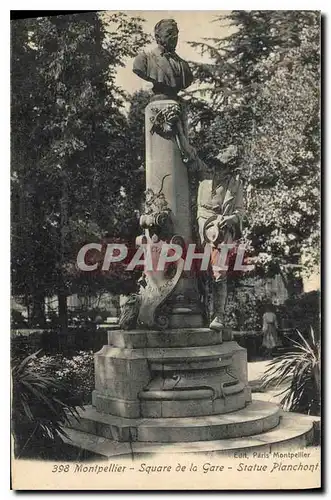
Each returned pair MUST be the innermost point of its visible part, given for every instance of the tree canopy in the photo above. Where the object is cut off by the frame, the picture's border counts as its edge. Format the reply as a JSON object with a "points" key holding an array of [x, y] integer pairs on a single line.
{"points": [[72, 162], [261, 92]]}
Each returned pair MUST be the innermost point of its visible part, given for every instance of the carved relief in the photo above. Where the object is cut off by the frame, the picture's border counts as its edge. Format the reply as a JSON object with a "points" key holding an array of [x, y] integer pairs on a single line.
{"points": [[169, 122]]}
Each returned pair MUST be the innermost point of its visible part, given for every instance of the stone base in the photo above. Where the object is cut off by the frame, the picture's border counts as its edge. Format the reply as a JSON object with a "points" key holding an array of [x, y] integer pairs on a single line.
{"points": [[163, 407], [180, 337], [174, 373], [191, 320], [294, 431], [172, 386], [256, 418], [181, 390]]}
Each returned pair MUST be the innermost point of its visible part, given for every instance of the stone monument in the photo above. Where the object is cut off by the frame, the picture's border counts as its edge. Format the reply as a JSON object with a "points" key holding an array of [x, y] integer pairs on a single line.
{"points": [[171, 381]]}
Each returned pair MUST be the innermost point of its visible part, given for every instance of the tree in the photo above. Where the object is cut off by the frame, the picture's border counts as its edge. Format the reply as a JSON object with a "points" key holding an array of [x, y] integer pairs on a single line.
{"points": [[71, 156], [285, 160], [262, 89]]}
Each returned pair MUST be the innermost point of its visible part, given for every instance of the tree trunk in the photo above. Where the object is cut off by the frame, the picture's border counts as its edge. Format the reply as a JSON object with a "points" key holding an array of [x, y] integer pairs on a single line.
{"points": [[38, 317], [63, 310], [62, 292]]}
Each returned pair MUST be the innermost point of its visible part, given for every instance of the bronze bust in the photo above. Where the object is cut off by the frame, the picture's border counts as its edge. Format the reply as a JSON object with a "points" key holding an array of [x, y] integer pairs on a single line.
{"points": [[168, 72]]}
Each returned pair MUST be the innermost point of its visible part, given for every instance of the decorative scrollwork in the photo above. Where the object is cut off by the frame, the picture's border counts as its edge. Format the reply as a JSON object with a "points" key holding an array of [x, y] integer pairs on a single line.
{"points": [[165, 119], [169, 123], [178, 240], [162, 321], [170, 271], [129, 313]]}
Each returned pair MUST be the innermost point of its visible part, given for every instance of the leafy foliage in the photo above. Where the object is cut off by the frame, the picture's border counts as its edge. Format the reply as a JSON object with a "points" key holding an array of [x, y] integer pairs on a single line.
{"points": [[302, 313], [37, 412], [72, 161], [136, 120], [244, 313], [261, 92], [74, 373], [301, 372]]}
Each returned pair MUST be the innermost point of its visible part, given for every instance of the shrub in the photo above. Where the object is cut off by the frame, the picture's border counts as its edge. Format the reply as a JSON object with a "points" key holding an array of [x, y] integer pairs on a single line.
{"points": [[75, 373], [300, 370], [17, 319], [244, 312], [38, 413], [25, 341], [52, 341], [302, 313]]}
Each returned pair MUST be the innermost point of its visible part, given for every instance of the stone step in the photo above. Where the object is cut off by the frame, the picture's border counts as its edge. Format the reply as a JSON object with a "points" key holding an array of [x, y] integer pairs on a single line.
{"points": [[221, 352], [169, 354], [294, 431], [181, 337], [255, 418], [204, 403]]}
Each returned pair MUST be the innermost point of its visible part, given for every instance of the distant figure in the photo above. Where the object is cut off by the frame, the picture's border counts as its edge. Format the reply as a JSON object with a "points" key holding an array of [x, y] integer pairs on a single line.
{"points": [[269, 329], [168, 72]]}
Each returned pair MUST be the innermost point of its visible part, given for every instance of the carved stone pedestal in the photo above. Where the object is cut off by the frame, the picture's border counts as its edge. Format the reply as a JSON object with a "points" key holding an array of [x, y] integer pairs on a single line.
{"points": [[180, 390], [175, 373]]}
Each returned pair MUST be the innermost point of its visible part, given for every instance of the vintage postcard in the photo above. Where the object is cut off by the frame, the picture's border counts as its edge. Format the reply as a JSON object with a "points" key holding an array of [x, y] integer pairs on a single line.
{"points": [[165, 255]]}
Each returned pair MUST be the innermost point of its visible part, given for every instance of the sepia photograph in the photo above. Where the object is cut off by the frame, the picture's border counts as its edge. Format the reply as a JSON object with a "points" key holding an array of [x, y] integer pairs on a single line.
{"points": [[165, 250]]}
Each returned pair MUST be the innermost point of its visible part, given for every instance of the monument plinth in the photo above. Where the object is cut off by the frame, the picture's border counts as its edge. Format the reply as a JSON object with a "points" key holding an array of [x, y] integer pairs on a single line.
{"points": [[175, 373]]}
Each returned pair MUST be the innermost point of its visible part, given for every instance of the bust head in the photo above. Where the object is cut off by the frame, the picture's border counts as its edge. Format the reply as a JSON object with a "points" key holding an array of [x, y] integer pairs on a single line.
{"points": [[168, 72], [166, 34]]}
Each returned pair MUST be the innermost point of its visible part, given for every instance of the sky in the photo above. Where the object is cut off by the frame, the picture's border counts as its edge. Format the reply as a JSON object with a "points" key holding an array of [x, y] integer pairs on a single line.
{"points": [[193, 26]]}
